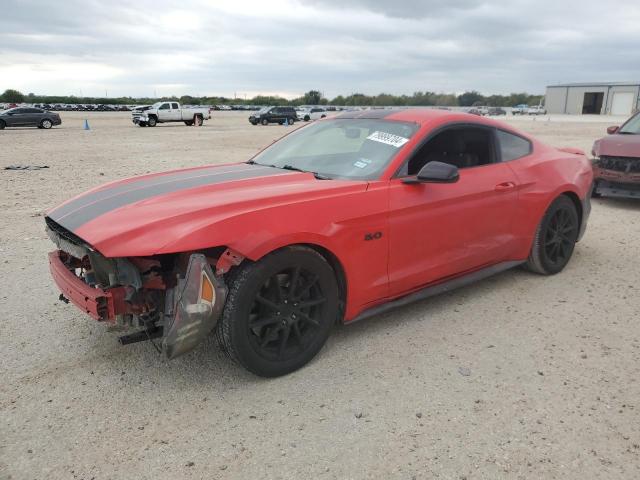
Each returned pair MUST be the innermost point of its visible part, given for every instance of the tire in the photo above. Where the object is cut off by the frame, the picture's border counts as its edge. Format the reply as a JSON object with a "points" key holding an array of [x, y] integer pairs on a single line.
{"points": [[152, 122], [263, 327], [323, 116], [307, 118], [555, 238], [2, 125], [46, 124], [264, 122], [188, 123], [141, 124], [197, 119]]}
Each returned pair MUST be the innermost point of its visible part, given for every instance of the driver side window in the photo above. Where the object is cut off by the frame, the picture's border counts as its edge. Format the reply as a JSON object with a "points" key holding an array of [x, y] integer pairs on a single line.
{"points": [[164, 106], [462, 147]]}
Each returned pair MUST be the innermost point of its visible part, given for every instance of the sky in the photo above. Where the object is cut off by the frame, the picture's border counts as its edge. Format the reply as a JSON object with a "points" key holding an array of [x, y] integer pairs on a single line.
{"points": [[286, 47]]}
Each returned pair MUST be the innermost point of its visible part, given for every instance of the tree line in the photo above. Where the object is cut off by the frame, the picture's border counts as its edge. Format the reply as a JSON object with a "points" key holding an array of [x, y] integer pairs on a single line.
{"points": [[312, 97]]}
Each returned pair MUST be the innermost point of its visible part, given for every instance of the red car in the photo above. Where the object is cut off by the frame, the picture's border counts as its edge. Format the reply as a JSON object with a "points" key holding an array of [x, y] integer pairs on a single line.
{"points": [[337, 221], [616, 166]]}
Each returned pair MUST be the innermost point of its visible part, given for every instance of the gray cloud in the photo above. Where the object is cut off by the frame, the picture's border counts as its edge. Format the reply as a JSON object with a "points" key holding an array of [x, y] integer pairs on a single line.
{"points": [[290, 46]]}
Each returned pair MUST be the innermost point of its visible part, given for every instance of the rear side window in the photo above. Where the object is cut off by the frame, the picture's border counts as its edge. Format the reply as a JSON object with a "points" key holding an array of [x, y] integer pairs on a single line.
{"points": [[174, 105], [513, 146]]}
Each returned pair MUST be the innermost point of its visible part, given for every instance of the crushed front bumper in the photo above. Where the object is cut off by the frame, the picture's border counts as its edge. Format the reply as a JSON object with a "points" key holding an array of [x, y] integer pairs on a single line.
{"points": [[617, 176], [101, 305]]}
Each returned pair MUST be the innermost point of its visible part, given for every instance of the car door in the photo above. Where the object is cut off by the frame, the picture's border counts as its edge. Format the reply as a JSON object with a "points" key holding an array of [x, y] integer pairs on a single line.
{"points": [[176, 113], [164, 112], [440, 230], [32, 116], [15, 118], [275, 115]]}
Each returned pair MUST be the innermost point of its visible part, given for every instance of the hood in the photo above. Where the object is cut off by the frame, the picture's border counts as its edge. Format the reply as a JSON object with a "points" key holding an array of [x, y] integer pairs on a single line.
{"points": [[150, 214], [618, 145]]}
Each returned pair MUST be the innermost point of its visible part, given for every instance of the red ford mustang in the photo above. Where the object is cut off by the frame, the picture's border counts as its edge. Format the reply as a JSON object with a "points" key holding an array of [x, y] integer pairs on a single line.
{"points": [[337, 221]]}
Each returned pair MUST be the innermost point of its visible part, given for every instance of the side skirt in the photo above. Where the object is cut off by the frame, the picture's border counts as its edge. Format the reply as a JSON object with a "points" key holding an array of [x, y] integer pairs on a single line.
{"points": [[437, 289]]}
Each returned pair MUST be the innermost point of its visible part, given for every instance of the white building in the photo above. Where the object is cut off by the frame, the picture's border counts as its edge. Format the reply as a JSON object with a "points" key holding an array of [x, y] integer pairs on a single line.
{"points": [[613, 98]]}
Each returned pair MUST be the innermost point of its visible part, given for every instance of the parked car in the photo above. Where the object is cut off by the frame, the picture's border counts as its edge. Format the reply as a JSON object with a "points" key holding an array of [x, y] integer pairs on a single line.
{"points": [[280, 115], [475, 111], [496, 111], [167, 112], [332, 223], [312, 113], [520, 109], [616, 165], [28, 117], [537, 110]]}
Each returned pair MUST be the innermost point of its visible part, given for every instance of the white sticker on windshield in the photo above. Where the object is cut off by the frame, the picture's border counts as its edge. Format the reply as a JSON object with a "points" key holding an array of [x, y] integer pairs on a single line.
{"points": [[388, 138], [362, 163]]}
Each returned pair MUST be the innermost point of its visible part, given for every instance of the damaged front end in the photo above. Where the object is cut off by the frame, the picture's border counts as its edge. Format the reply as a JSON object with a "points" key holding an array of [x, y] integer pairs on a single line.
{"points": [[617, 176], [177, 298]]}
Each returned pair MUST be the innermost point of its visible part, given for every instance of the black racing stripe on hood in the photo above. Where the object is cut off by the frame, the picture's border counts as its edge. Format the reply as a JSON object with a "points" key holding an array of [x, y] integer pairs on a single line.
{"points": [[85, 212], [92, 197]]}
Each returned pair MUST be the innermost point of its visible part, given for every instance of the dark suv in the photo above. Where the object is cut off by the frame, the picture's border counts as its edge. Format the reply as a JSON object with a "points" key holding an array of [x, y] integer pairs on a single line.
{"points": [[267, 115]]}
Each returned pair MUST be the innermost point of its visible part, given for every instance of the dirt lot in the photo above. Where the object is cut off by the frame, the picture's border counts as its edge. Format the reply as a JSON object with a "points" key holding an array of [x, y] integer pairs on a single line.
{"points": [[518, 376]]}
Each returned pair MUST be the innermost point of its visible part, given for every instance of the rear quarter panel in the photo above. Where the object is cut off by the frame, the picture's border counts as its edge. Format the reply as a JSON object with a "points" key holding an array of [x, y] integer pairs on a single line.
{"points": [[542, 177]]}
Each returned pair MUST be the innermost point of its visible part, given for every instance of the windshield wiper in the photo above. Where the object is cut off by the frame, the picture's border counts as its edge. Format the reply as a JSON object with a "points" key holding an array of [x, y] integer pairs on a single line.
{"points": [[627, 133], [319, 176]]}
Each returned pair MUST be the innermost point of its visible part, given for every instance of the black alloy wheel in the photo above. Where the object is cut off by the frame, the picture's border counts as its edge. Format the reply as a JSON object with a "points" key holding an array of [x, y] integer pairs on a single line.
{"points": [[286, 313], [555, 237], [279, 311]]}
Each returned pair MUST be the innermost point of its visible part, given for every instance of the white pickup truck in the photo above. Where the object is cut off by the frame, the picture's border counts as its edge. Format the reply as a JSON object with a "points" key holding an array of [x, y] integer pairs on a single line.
{"points": [[165, 112]]}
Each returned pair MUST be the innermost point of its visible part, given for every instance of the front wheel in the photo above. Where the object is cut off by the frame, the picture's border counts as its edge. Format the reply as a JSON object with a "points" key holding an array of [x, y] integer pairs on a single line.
{"points": [[46, 123], [279, 311], [152, 122], [555, 238], [265, 121]]}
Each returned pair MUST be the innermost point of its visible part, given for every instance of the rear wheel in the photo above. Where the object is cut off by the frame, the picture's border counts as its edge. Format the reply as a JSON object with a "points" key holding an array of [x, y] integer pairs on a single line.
{"points": [[198, 120], [279, 311], [46, 123], [555, 238]]}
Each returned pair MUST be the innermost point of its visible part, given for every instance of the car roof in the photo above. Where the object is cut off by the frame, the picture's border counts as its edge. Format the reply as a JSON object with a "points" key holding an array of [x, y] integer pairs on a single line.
{"points": [[416, 115], [430, 116]]}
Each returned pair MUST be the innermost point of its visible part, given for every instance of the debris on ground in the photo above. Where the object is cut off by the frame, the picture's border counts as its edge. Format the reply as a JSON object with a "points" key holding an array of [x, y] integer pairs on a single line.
{"points": [[26, 167]]}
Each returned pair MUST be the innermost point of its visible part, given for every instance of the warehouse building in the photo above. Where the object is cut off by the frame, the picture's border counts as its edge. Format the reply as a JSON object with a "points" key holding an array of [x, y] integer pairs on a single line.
{"points": [[614, 98]]}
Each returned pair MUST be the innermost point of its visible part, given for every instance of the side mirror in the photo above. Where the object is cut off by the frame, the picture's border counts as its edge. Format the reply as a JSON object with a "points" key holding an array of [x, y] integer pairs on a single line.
{"points": [[612, 130], [435, 172]]}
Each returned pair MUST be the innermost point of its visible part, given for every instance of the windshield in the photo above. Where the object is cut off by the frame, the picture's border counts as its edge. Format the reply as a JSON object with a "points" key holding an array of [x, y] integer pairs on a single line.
{"points": [[632, 126], [358, 149], [264, 109], [156, 105]]}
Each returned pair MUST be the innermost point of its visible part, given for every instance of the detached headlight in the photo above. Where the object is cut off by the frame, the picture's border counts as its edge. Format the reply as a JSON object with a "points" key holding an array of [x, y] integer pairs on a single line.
{"points": [[197, 303]]}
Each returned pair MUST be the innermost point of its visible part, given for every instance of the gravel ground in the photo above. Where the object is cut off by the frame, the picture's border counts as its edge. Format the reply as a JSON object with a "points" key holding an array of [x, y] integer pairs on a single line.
{"points": [[517, 376]]}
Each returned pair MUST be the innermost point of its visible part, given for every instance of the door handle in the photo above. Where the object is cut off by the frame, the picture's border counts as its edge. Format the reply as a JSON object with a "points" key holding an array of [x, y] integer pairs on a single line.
{"points": [[504, 187]]}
